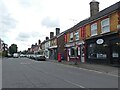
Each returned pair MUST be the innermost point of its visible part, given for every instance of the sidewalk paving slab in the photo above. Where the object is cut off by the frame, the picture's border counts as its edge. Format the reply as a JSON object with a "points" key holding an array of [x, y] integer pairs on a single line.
{"points": [[110, 69]]}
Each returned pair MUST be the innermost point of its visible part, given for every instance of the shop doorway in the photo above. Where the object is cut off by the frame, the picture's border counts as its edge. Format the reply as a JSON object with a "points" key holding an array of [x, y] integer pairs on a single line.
{"points": [[82, 55], [115, 52]]}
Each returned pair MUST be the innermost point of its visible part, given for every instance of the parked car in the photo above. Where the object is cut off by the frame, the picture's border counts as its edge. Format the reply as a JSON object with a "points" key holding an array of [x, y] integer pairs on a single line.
{"points": [[15, 55], [39, 56]]}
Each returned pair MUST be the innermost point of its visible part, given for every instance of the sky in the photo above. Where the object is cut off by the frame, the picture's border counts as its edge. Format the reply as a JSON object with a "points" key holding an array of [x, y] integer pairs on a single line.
{"points": [[24, 22]]}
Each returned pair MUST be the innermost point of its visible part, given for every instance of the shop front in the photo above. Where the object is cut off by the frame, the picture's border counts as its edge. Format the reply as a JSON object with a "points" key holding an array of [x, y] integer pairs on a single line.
{"points": [[75, 51], [103, 49], [53, 53]]}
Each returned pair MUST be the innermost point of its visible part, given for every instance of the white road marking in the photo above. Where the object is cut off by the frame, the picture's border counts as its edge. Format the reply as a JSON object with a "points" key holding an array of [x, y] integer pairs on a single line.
{"points": [[74, 84]]}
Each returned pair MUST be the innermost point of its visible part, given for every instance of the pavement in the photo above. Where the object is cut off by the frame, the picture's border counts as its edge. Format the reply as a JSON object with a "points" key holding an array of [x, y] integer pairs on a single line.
{"points": [[101, 68]]}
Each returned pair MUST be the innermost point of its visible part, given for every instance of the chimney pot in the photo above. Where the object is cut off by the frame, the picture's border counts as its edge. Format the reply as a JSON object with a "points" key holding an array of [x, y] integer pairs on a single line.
{"points": [[47, 38], [39, 42]]}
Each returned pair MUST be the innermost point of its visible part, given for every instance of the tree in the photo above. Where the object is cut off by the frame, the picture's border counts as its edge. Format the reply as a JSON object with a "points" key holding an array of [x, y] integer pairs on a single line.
{"points": [[24, 52], [5, 50], [13, 49]]}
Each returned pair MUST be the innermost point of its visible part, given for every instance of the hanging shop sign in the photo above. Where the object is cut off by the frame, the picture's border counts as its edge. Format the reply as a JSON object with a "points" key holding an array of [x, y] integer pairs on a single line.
{"points": [[100, 41]]}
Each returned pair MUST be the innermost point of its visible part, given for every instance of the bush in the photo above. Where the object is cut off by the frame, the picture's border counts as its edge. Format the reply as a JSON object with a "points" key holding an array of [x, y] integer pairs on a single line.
{"points": [[4, 54]]}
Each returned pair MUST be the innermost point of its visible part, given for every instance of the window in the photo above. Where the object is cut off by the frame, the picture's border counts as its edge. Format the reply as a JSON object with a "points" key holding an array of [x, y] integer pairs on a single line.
{"points": [[73, 51], [94, 29], [96, 51], [105, 25], [71, 37], [76, 35]]}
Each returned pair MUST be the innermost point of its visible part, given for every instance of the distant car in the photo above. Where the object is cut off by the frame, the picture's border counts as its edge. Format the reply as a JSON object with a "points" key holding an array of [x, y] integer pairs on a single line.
{"points": [[22, 55], [9, 55], [15, 55], [39, 56]]}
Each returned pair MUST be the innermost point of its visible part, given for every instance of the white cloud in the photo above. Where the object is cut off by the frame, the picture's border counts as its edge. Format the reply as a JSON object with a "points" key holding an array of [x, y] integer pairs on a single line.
{"points": [[50, 22]]}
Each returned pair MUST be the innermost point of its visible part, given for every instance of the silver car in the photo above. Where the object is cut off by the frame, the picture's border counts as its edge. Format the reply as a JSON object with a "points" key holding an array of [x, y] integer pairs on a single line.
{"points": [[39, 56]]}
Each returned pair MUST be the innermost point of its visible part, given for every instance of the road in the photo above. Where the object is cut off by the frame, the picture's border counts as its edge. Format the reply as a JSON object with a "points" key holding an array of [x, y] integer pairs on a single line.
{"points": [[26, 73]]}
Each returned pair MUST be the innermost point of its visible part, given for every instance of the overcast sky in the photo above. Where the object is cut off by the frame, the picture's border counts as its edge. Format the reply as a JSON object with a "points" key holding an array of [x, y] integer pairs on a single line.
{"points": [[24, 22]]}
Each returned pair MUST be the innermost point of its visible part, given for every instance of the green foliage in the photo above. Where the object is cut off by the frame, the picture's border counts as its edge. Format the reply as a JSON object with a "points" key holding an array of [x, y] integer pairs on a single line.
{"points": [[0, 54], [13, 49], [24, 52], [4, 54]]}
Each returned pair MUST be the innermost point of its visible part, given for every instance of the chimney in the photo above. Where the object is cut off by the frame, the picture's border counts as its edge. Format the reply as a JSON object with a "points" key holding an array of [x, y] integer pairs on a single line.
{"points": [[57, 31], [94, 7], [47, 38], [51, 34], [39, 42], [35, 44]]}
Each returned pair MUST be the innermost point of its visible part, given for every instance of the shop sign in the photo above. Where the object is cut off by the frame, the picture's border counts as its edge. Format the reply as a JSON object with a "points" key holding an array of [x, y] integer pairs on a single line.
{"points": [[100, 41], [65, 38], [69, 45]]}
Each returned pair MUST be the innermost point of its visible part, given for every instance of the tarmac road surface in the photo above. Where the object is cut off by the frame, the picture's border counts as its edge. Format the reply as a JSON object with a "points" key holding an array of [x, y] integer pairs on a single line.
{"points": [[27, 73]]}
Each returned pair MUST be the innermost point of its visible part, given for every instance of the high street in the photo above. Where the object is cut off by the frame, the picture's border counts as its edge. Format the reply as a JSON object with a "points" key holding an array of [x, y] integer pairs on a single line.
{"points": [[27, 73]]}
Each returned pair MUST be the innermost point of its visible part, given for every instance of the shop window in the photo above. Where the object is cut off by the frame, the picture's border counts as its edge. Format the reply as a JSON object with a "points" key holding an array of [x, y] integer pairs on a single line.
{"points": [[94, 29], [73, 52], [115, 50], [105, 25], [96, 51], [71, 37]]}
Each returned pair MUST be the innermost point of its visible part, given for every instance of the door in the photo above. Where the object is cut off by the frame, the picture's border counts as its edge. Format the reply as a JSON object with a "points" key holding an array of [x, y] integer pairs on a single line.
{"points": [[82, 54], [115, 51]]}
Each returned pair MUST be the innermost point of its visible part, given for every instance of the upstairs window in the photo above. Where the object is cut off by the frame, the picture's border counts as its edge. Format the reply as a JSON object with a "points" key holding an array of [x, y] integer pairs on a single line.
{"points": [[105, 25], [94, 29], [76, 35], [71, 37]]}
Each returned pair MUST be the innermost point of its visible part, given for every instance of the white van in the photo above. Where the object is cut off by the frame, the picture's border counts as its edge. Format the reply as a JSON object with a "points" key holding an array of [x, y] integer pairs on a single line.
{"points": [[15, 55]]}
